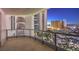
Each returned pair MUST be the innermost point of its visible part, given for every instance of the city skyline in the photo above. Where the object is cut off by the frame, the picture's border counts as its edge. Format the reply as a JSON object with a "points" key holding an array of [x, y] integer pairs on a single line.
{"points": [[70, 15]]}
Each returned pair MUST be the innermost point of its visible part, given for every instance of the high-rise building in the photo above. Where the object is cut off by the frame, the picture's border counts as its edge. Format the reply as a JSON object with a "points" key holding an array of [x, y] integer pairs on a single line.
{"points": [[57, 25]]}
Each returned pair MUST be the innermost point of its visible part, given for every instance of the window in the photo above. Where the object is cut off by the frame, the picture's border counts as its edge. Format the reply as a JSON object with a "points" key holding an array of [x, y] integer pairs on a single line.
{"points": [[12, 22], [36, 22]]}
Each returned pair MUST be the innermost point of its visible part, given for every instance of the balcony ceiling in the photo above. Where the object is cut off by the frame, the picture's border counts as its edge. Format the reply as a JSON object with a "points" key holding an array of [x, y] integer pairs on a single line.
{"points": [[20, 11]]}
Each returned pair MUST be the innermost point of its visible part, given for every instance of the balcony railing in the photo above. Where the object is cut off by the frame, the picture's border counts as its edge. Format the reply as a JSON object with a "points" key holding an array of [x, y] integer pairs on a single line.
{"points": [[56, 40]]}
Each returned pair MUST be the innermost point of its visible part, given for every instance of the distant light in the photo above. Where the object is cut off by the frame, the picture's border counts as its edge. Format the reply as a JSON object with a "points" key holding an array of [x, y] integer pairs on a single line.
{"points": [[52, 28], [58, 28], [74, 27]]}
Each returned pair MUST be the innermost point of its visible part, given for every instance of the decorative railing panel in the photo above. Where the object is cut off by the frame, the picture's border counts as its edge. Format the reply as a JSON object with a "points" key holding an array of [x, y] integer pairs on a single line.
{"points": [[68, 42]]}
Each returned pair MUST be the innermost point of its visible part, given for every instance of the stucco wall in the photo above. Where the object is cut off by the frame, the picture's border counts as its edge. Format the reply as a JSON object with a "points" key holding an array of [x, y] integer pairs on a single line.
{"points": [[45, 20], [8, 22], [3, 28]]}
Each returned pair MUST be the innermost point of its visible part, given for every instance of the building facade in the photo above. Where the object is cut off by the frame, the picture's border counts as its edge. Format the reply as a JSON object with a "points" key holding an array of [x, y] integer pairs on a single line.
{"points": [[57, 25]]}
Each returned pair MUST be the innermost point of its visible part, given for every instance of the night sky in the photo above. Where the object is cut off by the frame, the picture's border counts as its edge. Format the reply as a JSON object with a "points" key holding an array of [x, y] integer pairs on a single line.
{"points": [[70, 15]]}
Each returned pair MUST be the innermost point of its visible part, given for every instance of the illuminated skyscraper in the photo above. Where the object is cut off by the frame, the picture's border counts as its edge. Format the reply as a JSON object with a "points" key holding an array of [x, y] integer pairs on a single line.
{"points": [[57, 25]]}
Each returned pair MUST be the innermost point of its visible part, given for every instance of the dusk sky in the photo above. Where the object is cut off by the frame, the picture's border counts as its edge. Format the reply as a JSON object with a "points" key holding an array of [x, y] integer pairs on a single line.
{"points": [[71, 15]]}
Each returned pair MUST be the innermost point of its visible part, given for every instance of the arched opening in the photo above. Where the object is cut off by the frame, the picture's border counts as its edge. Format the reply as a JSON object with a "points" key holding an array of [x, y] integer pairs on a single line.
{"points": [[20, 23], [20, 19]]}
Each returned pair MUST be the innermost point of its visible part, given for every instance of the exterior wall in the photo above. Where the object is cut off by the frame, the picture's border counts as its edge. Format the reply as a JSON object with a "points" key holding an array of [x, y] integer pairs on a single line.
{"points": [[29, 22], [0, 28], [43, 22], [8, 22], [3, 28]]}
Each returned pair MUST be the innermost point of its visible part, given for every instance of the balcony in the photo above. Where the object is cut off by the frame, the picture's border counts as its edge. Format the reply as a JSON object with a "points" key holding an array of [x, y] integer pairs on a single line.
{"points": [[28, 40]]}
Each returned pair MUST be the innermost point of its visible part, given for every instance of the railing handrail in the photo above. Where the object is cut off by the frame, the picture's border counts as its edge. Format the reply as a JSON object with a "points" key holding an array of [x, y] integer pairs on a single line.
{"points": [[19, 29], [69, 34], [62, 33]]}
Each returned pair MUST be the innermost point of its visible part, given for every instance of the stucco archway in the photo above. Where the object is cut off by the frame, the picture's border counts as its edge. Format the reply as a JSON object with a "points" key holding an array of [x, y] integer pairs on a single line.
{"points": [[20, 23]]}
